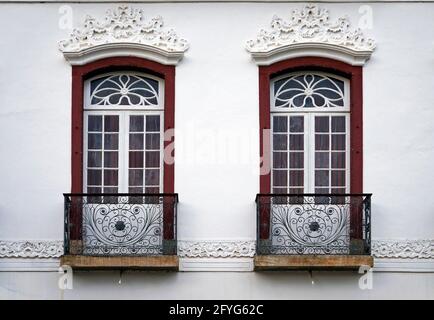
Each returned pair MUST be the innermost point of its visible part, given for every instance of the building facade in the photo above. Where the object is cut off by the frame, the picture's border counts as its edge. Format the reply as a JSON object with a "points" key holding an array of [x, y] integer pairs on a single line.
{"points": [[216, 149]]}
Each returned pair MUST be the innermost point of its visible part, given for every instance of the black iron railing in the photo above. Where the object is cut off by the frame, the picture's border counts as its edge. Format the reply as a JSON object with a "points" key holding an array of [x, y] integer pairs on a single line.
{"points": [[318, 224], [120, 224]]}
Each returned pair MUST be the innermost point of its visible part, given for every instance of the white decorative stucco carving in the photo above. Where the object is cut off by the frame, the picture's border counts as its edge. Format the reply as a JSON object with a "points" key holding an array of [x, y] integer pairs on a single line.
{"points": [[393, 249], [124, 32], [31, 249], [408, 249], [216, 249], [310, 33]]}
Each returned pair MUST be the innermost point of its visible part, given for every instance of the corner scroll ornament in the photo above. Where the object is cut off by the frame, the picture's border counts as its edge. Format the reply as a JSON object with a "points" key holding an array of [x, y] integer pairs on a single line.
{"points": [[310, 33], [124, 32]]}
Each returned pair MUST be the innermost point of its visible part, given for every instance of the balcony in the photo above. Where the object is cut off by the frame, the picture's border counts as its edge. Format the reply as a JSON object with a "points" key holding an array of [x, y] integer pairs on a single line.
{"points": [[120, 231], [313, 231]]}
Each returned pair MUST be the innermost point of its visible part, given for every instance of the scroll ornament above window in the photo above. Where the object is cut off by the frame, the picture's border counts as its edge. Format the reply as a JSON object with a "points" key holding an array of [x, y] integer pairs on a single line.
{"points": [[310, 33], [123, 33]]}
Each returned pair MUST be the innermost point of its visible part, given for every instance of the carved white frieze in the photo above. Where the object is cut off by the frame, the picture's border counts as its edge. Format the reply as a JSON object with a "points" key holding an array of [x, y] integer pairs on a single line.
{"points": [[408, 249], [309, 32], [124, 32], [381, 248], [31, 249], [216, 249]]}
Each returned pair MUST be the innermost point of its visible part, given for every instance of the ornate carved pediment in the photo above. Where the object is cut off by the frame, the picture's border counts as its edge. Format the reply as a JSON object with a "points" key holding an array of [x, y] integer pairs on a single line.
{"points": [[310, 33], [124, 32]]}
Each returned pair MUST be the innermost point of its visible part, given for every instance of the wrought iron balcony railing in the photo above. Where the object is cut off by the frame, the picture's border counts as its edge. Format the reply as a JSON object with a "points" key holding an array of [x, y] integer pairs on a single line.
{"points": [[313, 224], [120, 224]]}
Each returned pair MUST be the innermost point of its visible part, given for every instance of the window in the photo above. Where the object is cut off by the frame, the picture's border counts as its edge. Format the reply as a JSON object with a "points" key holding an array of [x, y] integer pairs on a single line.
{"points": [[310, 123], [123, 133], [312, 107], [118, 103]]}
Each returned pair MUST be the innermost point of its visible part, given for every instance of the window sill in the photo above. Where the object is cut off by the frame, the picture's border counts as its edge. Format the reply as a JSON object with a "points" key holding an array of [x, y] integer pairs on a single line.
{"points": [[312, 262], [80, 262]]}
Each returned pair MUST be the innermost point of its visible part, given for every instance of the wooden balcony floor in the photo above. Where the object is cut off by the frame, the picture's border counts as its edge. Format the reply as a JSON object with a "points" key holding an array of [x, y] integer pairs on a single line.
{"points": [[80, 262], [312, 262]]}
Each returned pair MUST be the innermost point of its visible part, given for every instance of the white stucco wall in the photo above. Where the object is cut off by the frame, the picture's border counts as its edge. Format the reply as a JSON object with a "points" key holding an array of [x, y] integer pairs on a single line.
{"points": [[216, 93], [208, 285]]}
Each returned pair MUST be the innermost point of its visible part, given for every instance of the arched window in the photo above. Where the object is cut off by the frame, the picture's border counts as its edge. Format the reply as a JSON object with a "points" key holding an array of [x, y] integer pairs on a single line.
{"points": [[312, 107], [123, 133], [310, 123]]}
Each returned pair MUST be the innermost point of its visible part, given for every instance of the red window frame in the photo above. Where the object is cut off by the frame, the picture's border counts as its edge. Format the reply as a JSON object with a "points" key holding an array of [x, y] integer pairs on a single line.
{"points": [[80, 73], [355, 75], [83, 72]]}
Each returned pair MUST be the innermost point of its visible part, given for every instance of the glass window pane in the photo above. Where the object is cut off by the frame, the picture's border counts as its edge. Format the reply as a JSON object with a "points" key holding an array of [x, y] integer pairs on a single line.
{"points": [[93, 190], [280, 160], [280, 142], [338, 142], [280, 124], [321, 142], [321, 190], [280, 190], [280, 178], [135, 177], [338, 124], [296, 191], [152, 141], [152, 177], [296, 142], [135, 190], [296, 124], [94, 141], [136, 124], [111, 141], [136, 159], [152, 190], [321, 178], [338, 178], [152, 123], [111, 190], [296, 178], [111, 123], [338, 190], [94, 123], [94, 159], [110, 177], [321, 124], [94, 177], [296, 159], [321, 159], [152, 159], [110, 159], [136, 141], [338, 159]]}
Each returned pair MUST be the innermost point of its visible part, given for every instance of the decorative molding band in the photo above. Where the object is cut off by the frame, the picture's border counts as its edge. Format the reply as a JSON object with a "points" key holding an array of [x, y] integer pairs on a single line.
{"points": [[123, 33], [404, 249], [216, 249], [309, 33], [29, 265], [216, 264], [31, 249], [381, 248], [404, 265]]}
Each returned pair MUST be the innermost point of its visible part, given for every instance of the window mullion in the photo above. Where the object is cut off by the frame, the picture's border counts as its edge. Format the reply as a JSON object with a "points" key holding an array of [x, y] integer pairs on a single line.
{"points": [[123, 152], [310, 150]]}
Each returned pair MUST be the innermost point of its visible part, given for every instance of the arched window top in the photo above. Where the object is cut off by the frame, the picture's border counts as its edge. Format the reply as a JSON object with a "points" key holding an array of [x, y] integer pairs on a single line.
{"points": [[124, 90], [309, 91]]}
